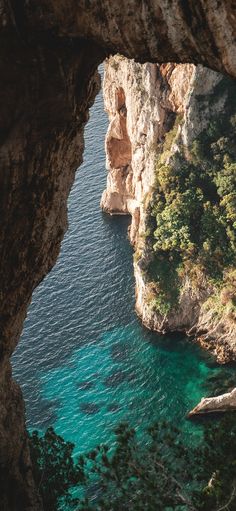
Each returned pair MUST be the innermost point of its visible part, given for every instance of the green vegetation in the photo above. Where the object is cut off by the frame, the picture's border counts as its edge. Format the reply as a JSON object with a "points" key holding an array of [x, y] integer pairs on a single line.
{"points": [[192, 213], [54, 470], [159, 473]]}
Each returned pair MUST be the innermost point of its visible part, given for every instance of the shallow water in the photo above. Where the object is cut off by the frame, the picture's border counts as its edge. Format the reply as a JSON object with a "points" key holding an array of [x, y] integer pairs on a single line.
{"points": [[84, 361]]}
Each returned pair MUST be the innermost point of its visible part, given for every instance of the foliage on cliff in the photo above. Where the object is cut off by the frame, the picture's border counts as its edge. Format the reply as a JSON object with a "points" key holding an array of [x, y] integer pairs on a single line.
{"points": [[159, 473], [192, 212]]}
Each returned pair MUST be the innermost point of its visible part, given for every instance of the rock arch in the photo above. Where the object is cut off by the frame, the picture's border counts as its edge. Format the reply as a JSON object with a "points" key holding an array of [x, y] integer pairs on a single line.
{"points": [[49, 53]]}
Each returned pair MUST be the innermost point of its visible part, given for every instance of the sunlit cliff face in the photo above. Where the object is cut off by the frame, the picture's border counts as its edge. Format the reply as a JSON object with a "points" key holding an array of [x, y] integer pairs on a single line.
{"points": [[49, 52]]}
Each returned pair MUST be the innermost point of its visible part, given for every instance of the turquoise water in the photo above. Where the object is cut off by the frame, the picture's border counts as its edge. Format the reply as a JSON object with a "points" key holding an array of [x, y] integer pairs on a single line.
{"points": [[84, 361]]}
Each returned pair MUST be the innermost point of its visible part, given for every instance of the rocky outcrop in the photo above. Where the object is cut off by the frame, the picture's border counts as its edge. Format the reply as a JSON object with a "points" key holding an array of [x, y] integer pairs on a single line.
{"points": [[193, 316], [223, 403], [201, 311], [128, 179], [141, 102], [153, 98], [48, 55]]}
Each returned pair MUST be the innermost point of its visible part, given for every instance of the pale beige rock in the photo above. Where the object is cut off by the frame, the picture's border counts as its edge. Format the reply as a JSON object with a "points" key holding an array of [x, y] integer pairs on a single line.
{"points": [[223, 403], [138, 99]]}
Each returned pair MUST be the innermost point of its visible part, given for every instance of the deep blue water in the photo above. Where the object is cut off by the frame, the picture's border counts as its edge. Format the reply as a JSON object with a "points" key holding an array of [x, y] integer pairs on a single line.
{"points": [[84, 361]]}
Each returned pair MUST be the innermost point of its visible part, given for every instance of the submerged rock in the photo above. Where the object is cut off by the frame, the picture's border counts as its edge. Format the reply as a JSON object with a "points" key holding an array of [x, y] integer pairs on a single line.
{"points": [[89, 408], [84, 385], [113, 407], [116, 378], [119, 352]]}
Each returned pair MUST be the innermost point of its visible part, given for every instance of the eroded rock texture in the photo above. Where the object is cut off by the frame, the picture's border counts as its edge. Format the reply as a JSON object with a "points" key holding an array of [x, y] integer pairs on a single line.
{"points": [[140, 117], [148, 30], [170, 103], [155, 30], [49, 51], [45, 96]]}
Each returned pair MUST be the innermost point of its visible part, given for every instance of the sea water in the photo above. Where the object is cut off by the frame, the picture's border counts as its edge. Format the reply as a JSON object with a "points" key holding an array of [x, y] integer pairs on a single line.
{"points": [[84, 361]]}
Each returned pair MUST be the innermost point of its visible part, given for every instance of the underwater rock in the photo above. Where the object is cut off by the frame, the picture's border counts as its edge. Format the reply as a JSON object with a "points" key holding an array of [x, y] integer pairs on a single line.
{"points": [[89, 408], [84, 385], [113, 407], [119, 352], [116, 378]]}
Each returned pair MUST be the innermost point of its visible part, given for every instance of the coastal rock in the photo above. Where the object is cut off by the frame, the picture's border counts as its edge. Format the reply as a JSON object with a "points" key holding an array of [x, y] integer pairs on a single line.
{"points": [[191, 316], [49, 52], [149, 98], [141, 102], [45, 98], [223, 403]]}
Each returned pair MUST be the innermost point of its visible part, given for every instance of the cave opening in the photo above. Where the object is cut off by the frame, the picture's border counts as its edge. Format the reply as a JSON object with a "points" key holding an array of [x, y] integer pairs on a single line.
{"points": [[42, 74]]}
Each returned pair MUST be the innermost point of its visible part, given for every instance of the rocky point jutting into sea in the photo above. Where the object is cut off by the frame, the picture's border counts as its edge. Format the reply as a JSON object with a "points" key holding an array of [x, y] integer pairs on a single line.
{"points": [[162, 118], [49, 55]]}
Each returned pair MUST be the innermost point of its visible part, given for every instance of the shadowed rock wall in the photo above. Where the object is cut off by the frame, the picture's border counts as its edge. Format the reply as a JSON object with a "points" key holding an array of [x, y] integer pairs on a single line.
{"points": [[44, 100]]}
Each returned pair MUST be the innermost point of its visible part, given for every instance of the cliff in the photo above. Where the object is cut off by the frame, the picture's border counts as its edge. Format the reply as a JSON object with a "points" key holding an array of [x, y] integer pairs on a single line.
{"points": [[45, 97], [49, 54], [161, 118], [141, 101]]}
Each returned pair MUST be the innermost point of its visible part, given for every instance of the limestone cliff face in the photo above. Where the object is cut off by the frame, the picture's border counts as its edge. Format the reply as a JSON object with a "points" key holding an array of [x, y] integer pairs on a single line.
{"points": [[143, 102], [128, 97], [193, 315]]}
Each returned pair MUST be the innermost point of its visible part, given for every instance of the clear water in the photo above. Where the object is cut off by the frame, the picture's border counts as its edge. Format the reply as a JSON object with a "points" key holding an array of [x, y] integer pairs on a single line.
{"points": [[84, 361]]}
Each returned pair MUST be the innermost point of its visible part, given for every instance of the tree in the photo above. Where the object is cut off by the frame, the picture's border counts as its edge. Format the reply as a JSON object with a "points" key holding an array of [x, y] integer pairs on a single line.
{"points": [[157, 472], [54, 470], [216, 467]]}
